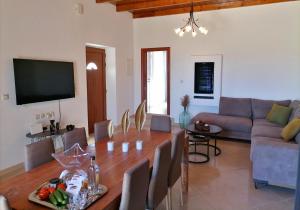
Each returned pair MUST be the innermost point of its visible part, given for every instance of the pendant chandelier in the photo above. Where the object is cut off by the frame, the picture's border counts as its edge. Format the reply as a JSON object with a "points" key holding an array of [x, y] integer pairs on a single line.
{"points": [[191, 25]]}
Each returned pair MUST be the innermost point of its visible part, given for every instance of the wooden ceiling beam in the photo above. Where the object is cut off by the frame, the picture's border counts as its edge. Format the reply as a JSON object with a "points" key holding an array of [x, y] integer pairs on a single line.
{"points": [[153, 4], [205, 6], [116, 1], [104, 1]]}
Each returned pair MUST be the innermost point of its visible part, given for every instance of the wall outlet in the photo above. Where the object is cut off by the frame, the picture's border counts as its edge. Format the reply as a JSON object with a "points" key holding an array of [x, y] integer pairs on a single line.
{"points": [[43, 115], [4, 97]]}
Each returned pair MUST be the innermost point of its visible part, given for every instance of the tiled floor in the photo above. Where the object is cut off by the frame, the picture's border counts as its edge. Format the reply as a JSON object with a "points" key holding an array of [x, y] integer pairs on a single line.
{"points": [[225, 184]]}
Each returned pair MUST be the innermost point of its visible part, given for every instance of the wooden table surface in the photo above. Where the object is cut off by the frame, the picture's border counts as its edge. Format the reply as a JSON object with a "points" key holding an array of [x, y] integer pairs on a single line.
{"points": [[112, 166]]}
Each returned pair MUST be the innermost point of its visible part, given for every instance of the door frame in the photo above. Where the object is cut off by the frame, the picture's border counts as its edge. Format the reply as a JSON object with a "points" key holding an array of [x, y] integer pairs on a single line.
{"points": [[95, 49], [144, 52]]}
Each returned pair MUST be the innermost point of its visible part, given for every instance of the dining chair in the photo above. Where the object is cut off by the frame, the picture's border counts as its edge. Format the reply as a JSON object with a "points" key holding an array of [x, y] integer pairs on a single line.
{"points": [[38, 153], [161, 123], [100, 130], [4, 205], [135, 187], [78, 135], [158, 187], [175, 166]]}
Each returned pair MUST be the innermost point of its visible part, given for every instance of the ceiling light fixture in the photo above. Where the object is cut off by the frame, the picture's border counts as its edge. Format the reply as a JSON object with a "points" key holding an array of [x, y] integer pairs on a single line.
{"points": [[191, 25]]}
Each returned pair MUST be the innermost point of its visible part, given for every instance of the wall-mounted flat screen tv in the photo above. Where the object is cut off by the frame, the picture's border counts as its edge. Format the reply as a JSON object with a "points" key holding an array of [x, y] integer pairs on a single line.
{"points": [[40, 80]]}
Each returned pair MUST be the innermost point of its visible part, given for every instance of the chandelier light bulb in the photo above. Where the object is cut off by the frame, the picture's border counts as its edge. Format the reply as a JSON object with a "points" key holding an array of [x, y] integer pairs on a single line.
{"points": [[188, 28], [194, 33], [181, 33], [177, 30], [201, 29]]}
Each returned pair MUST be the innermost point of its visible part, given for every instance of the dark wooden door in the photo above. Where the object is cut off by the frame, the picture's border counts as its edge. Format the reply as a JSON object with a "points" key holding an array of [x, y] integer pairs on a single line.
{"points": [[144, 72], [96, 86]]}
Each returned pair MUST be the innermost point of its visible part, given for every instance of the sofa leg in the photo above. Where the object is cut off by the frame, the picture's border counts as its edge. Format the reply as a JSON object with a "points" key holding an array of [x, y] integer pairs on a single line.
{"points": [[259, 183]]}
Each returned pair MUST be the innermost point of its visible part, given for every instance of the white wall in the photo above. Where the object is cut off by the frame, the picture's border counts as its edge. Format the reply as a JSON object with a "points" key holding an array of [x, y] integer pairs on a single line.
{"points": [[50, 29], [260, 47]]}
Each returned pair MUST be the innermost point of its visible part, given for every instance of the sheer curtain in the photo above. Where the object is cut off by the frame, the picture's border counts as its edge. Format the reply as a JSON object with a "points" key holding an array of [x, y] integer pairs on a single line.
{"points": [[156, 82]]}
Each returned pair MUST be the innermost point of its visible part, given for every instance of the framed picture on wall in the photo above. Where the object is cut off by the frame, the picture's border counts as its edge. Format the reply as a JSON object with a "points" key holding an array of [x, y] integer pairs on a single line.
{"points": [[207, 80]]}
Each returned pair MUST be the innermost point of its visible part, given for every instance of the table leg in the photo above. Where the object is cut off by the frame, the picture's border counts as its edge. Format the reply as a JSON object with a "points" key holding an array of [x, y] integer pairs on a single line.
{"points": [[208, 148], [185, 167], [215, 145]]}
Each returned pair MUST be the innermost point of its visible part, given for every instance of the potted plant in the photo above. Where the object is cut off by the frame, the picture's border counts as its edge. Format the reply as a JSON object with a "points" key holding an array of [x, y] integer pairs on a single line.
{"points": [[185, 116]]}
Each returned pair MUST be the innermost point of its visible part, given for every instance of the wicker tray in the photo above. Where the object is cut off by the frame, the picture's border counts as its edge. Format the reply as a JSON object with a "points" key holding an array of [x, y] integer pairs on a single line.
{"points": [[91, 199]]}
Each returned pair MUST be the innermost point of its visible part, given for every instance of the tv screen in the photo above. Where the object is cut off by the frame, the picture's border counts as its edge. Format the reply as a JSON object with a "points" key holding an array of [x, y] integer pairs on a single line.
{"points": [[39, 80]]}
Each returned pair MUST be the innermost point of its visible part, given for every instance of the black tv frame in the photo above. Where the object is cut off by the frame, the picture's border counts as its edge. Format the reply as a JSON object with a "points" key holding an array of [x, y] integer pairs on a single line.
{"points": [[44, 98]]}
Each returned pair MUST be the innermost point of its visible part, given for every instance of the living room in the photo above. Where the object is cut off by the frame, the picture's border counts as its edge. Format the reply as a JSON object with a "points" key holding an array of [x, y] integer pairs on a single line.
{"points": [[256, 47]]}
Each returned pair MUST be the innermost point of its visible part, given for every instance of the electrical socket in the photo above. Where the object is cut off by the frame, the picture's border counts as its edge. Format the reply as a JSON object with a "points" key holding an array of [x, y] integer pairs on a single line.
{"points": [[43, 115], [5, 97]]}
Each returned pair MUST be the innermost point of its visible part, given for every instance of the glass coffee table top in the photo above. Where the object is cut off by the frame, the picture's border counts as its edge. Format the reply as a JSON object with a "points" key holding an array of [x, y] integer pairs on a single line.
{"points": [[213, 130]]}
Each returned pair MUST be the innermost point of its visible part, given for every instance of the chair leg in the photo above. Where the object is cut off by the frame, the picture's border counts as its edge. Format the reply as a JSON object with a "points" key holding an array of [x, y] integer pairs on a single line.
{"points": [[181, 191], [167, 202], [170, 197]]}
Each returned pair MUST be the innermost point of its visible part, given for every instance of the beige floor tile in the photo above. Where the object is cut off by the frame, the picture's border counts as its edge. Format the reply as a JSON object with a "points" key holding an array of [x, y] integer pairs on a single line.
{"points": [[225, 183]]}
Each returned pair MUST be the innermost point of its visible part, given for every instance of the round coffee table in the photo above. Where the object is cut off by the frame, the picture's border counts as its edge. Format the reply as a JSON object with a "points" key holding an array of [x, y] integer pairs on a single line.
{"points": [[200, 137]]}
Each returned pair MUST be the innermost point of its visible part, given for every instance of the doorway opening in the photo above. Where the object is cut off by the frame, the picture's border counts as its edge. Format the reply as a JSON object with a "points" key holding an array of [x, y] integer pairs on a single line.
{"points": [[96, 86], [155, 79]]}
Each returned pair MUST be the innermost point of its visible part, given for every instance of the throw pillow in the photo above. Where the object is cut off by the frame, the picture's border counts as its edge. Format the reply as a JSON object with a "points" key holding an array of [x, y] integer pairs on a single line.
{"points": [[295, 105], [291, 130], [279, 114]]}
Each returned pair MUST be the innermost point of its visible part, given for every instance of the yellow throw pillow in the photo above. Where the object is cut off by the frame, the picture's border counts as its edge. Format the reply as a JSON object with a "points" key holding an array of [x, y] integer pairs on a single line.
{"points": [[291, 129]]}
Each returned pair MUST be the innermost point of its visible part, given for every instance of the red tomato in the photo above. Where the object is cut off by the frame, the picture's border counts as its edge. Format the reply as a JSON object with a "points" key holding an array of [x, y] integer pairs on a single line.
{"points": [[61, 186], [43, 193], [51, 190]]}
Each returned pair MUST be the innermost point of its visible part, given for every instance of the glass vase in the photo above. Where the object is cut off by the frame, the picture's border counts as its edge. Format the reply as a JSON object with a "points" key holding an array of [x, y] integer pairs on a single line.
{"points": [[184, 119]]}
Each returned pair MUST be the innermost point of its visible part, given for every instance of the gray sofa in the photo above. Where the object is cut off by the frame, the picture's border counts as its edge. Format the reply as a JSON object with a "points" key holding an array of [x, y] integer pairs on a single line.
{"points": [[274, 161]]}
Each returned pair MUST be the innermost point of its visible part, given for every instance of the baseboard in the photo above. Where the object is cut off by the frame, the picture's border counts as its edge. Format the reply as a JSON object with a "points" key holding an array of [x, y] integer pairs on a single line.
{"points": [[11, 171]]}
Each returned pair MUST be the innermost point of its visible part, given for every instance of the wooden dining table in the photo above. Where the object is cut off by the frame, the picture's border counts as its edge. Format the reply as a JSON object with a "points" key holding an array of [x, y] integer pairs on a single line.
{"points": [[112, 166]]}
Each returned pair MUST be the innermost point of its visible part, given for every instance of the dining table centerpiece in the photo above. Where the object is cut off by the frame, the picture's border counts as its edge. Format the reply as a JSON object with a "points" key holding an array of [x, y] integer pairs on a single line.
{"points": [[140, 117]]}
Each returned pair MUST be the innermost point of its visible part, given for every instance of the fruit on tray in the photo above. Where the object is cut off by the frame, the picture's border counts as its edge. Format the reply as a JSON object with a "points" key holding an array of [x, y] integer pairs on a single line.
{"points": [[55, 195], [43, 194], [61, 186]]}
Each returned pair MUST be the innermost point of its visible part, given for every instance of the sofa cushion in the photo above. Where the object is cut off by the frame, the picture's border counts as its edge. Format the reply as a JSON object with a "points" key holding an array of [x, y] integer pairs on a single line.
{"points": [[260, 108], [279, 114], [264, 122], [240, 107], [256, 139], [295, 105], [291, 130], [266, 131], [241, 124]]}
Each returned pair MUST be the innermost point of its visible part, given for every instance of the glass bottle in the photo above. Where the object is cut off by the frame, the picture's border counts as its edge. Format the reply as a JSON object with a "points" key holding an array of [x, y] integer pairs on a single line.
{"points": [[97, 177], [91, 175]]}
